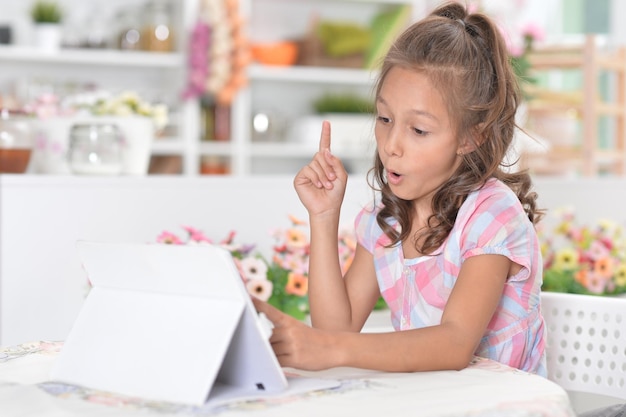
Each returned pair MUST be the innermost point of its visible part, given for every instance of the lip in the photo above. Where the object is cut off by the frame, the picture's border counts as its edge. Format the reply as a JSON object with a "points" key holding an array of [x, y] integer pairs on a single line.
{"points": [[393, 178]]}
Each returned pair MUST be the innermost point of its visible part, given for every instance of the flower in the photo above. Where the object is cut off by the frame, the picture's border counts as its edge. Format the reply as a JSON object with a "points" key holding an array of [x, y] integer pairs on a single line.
{"points": [[283, 280], [518, 51], [583, 259], [99, 103], [253, 269], [260, 288], [169, 238], [297, 284], [129, 103]]}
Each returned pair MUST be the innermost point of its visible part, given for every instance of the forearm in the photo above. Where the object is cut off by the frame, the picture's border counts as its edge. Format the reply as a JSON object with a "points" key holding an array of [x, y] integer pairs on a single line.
{"points": [[328, 298], [426, 349]]}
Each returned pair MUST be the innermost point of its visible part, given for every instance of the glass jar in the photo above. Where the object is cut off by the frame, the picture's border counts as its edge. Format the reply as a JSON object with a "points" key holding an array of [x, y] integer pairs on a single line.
{"points": [[95, 149], [157, 34], [129, 30], [16, 141]]}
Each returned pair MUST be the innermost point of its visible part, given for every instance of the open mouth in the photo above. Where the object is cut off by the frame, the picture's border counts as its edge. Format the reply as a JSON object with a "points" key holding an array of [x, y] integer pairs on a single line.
{"points": [[393, 177]]}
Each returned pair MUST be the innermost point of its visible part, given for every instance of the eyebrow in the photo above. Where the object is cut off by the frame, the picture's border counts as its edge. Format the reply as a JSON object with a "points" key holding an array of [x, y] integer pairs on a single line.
{"points": [[415, 111]]}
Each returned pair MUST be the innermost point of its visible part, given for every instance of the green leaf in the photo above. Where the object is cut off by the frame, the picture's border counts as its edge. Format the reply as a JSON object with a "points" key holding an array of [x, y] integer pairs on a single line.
{"points": [[381, 304], [562, 281]]}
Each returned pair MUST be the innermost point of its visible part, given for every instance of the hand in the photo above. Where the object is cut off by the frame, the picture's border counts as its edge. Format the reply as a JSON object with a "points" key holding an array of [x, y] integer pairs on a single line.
{"points": [[321, 184], [295, 344]]}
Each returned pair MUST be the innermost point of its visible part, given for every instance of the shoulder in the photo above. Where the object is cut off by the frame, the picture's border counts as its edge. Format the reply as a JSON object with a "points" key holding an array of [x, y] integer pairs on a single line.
{"points": [[493, 191], [366, 225], [493, 215], [494, 199]]}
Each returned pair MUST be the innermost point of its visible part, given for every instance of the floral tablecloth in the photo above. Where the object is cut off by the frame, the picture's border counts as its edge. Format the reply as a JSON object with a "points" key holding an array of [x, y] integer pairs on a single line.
{"points": [[485, 388]]}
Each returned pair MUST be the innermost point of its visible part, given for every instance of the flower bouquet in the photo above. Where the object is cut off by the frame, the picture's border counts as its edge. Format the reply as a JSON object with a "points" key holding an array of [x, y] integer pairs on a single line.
{"points": [[583, 259], [283, 280]]}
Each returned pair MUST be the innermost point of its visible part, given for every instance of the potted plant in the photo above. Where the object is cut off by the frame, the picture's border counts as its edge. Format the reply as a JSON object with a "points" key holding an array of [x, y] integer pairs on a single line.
{"points": [[47, 17]]}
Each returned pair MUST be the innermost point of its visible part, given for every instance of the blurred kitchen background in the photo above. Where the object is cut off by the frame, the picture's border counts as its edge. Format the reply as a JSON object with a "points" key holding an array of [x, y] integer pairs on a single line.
{"points": [[239, 87]]}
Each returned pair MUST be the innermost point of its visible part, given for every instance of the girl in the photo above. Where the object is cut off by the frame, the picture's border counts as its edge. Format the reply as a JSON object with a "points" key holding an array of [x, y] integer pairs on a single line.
{"points": [[450, 243]]}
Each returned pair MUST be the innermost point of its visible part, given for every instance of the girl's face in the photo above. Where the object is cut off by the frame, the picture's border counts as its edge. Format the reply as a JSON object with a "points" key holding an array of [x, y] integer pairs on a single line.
{"points": [[414, 136]]}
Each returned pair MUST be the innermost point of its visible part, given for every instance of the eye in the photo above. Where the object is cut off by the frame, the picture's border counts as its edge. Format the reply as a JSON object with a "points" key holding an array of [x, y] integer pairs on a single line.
{"points": [[383, 119], [420, 132]]}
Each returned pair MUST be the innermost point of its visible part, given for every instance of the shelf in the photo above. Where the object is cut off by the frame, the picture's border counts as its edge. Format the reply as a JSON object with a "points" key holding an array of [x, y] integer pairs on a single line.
{"points": [[303, 74], [377, 2], [215, 148], [282, 150], [167, 146], [586, 105], [602, 109], [298, 150], [108, 57]]}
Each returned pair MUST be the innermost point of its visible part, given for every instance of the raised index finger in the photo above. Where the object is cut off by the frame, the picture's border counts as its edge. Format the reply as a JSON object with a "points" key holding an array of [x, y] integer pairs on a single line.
{"points": [[325, 137]]}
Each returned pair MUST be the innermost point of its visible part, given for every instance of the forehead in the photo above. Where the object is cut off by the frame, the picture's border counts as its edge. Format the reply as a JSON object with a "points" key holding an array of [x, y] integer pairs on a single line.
{"points": [[412, 88]]}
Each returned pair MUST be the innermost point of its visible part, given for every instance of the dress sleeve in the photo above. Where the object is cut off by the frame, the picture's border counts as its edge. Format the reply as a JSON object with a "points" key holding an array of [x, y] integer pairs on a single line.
{"points": [[496, 223], [366, 227]]}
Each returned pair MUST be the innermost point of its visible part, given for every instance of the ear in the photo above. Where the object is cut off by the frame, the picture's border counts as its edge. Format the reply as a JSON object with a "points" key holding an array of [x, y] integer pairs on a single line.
{"points": [[471, 140]]}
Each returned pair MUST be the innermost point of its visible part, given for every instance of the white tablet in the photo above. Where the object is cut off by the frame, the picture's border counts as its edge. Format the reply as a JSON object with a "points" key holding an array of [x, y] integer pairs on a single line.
{"points": [[167, 323]]}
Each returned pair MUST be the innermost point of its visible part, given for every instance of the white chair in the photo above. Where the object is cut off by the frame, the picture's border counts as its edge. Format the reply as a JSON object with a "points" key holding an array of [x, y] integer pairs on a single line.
{"points": [[586, 343]]}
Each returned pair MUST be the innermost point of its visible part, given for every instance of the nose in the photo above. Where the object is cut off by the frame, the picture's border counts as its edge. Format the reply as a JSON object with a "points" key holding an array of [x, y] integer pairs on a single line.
{"points": [[389, 141]]}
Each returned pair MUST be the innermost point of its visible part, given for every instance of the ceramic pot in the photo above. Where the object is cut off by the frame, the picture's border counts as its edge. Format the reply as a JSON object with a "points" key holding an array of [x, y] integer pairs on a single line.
{"points": [[48, 37]]}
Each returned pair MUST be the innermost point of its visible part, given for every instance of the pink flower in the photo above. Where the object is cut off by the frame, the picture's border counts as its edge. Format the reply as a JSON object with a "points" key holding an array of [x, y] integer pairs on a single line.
{"points": [[169, 238], [534, 32], [293, 261], [592, 282], [229, 239], [196, 235], [598, 250]]}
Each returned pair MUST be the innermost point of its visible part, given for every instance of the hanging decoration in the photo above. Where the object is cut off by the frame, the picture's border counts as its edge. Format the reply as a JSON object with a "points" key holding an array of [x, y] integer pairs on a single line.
{"points": [[218, 52]]}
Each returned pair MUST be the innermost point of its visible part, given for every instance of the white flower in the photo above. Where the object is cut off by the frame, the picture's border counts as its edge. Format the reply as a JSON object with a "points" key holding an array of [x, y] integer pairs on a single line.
{"points": [[253, 269], [121, 109], [160, 116], [129, 97], [260, 288]]}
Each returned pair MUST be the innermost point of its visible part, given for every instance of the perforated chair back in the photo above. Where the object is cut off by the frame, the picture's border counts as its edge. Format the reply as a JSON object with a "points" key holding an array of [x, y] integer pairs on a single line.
{"points": [[586, 342]]}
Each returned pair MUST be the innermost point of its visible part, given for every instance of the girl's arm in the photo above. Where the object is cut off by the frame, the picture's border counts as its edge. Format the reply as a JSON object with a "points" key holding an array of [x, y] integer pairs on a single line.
{"points": [[448, 345], [321, 186], [336, 303]]}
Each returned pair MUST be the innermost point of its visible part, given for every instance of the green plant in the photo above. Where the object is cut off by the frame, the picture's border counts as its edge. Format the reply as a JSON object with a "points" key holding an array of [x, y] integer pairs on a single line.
{"points": [[519, 56], [46, 12], [341, 39], [343, 103]]}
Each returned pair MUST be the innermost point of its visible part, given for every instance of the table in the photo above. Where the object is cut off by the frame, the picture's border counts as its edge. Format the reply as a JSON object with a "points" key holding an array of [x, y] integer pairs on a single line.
{"points": [[485, 388]]}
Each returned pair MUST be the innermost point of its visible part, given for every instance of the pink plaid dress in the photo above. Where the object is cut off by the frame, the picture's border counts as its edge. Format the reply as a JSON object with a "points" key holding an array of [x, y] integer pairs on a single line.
{"points": [[490, 221]]}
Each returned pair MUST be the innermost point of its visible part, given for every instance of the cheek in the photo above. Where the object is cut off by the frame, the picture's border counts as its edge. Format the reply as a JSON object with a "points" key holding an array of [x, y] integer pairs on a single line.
{"points": [[379, 136], [378, 131]]}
